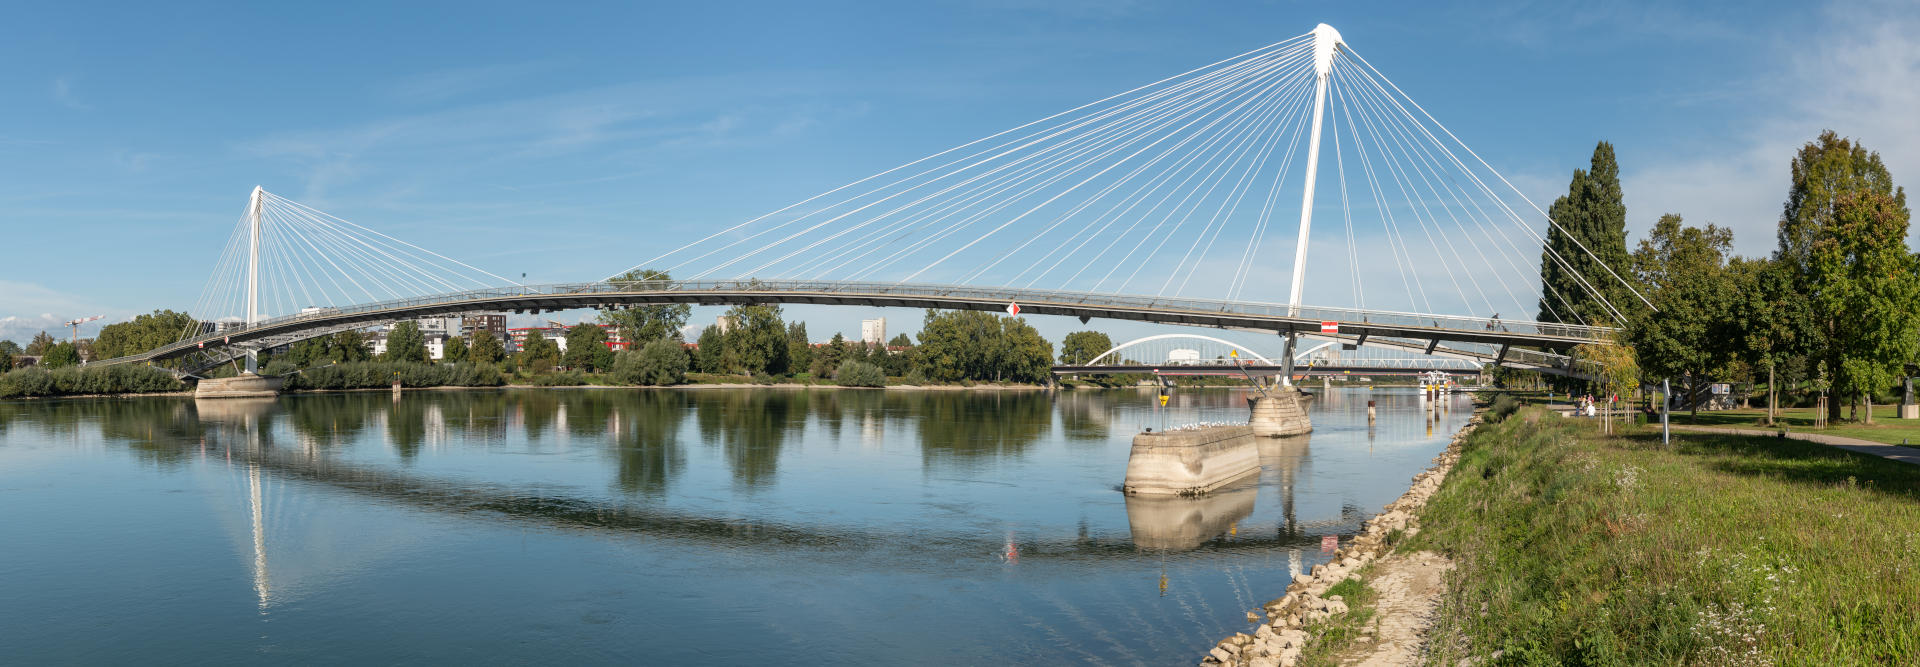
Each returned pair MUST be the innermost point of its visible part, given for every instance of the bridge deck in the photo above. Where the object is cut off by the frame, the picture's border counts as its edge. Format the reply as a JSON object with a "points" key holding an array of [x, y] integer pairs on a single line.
{"points": [[1257, 316]]}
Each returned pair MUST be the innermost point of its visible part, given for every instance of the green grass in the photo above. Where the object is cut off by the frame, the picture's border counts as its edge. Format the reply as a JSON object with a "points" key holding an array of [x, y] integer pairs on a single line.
{"points": [[1588, 549], [1337, 635]]}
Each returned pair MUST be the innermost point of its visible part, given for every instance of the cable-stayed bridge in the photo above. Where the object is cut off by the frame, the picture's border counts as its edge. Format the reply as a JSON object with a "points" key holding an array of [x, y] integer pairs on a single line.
{"points": [[1152, 205]]}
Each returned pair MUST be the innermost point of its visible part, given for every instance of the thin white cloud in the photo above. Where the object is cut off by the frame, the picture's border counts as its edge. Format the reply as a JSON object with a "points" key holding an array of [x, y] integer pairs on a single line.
{"points": [[1862, 81], [63, 93], [29, 308]]}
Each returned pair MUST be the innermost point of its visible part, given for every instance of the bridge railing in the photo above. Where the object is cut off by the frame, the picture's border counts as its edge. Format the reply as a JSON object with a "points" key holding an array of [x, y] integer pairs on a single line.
{"points": [[882, 289]]}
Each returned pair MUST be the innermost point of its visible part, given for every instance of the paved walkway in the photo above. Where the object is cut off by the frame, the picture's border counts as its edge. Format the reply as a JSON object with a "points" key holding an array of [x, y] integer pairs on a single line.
{"points": [[1907, 455]]}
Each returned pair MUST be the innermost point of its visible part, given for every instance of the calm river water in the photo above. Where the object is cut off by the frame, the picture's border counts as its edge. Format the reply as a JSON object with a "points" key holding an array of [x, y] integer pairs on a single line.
{"points": [[659, 527]]}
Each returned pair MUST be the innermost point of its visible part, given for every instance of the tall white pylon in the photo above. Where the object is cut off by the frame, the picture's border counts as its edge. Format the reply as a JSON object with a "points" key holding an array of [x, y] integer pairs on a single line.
{"points": [[253, 272], [1326, 41]]}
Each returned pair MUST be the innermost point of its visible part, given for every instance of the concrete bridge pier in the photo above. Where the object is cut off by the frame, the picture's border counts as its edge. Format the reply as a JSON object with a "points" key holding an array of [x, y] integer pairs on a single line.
{"points": [[1279, 413], [244, 385]]}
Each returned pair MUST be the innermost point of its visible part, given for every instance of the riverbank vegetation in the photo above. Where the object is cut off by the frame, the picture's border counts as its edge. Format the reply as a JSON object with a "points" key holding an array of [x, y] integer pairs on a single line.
{"points": [[40, 381], [1833, 311], [1575, 547]]}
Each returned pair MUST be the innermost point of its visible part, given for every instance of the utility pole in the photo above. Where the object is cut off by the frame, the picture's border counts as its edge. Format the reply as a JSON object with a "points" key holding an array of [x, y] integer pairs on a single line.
{"points": [[1326, 42], [1666, 406]]}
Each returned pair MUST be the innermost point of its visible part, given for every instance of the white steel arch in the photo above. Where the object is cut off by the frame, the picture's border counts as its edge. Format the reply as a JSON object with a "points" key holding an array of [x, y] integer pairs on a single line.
{"points": [[1137, 341]]}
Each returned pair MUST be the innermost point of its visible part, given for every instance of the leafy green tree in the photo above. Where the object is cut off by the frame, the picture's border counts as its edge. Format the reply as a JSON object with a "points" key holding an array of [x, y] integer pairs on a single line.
{"points": [[1769, 319], [710, 350], [6, 357], [406, 343], [10, 348], [826, 361], [587, 349], [351, 346], [1690, 339], [1866, 286], [1081, 347], [641, 324], [486, 348], [900, 340], [799, 349], [311, 352], [757, 342], [660, 362], [455, 350], [1592, 214], [1827, 171], [973, 345], [1021, 354], [538, 353], [38, 346], [59, 355], [142, 333]]}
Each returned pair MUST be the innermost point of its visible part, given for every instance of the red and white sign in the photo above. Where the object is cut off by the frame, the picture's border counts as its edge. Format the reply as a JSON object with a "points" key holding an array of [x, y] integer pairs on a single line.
{"points": [[1013, 308], [1329, 327]]}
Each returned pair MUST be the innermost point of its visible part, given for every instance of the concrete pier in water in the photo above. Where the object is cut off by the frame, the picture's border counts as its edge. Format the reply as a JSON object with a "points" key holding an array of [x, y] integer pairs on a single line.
{"points": [[1281, 413], [246, 385], [1190, 462]]}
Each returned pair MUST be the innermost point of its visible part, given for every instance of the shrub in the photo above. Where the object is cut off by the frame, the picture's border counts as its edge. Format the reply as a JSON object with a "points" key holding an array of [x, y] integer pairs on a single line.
{"points": [[1503, 406], [860, 374], [914, 377], [661, 362], [71, 380]]}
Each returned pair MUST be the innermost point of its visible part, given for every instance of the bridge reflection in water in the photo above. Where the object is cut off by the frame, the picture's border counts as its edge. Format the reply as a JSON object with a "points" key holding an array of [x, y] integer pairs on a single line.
{"points": [[882, 497]]}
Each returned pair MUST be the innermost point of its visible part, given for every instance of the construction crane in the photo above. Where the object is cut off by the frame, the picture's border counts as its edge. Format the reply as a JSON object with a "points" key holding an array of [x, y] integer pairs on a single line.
{"points": [[74, 327]]}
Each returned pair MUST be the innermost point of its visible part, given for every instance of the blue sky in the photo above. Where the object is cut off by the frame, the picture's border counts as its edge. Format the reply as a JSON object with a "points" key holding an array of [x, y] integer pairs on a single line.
{"points": [[570, 144]]}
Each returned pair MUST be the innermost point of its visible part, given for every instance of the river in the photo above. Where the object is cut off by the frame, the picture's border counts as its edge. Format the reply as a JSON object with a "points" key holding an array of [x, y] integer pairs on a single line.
{"points": [[723, 526]]}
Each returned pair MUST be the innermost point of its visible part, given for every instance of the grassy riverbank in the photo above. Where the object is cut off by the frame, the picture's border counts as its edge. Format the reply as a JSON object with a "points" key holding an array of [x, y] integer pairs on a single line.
{"points": [[1579, 548]]}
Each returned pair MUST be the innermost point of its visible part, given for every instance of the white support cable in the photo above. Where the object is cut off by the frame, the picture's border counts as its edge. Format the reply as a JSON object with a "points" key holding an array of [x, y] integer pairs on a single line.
{"points": [[336, 220], [1177, 92], [1096, 197], [1265, 217], [404, 265], [1523, 197], [1346, 206], [1396, 243], [1150, 233], [1184, 218], [990, 137], [1222, 150], [1514, 217], [290, 237], [1229, 205], [1402, 183], [1511, 214], [1115, 213], [977, 239], [1419, 204], [1119, 128], [1506, 249], [333, 276], [360, 258]]}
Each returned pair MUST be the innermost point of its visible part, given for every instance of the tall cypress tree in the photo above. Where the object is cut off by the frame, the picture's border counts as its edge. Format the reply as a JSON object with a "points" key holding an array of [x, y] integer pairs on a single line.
{"points": [[1594, 212]]}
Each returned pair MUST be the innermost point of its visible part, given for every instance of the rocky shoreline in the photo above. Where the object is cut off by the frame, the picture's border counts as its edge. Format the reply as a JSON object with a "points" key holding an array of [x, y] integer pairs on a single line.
{"points": [[1280, 639]]}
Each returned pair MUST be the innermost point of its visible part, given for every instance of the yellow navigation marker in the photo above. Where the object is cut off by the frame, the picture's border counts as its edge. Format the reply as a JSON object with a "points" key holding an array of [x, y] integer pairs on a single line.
{"points": [[1163, 400]]}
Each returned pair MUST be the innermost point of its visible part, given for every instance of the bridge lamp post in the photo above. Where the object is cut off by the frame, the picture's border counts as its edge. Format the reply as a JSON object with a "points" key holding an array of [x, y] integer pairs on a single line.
{"points": [[1326, 42]]}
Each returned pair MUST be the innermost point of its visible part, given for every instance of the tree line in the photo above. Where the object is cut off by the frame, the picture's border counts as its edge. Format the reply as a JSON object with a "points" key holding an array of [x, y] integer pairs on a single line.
{"points": [[1833, 310]]}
